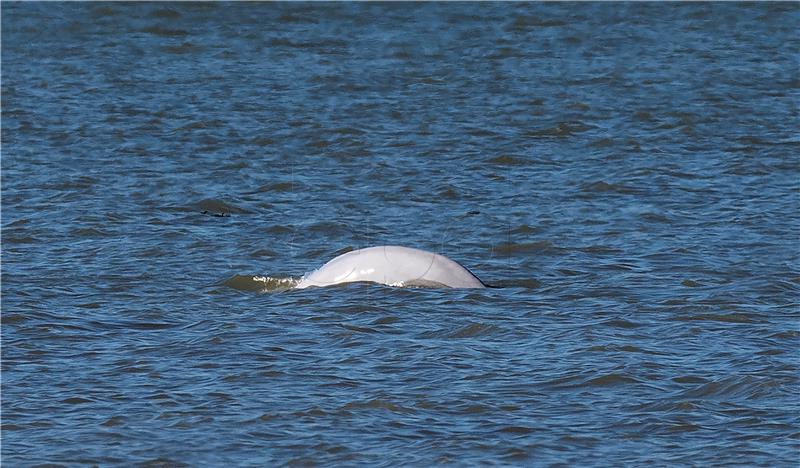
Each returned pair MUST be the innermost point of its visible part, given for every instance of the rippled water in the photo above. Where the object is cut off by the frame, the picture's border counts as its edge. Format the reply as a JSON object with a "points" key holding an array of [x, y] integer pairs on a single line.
{"points": [[627, 173]]}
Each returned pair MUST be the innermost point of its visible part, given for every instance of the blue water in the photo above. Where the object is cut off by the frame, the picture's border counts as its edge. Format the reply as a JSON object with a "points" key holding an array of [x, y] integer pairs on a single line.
{"points": [[628, 174]]}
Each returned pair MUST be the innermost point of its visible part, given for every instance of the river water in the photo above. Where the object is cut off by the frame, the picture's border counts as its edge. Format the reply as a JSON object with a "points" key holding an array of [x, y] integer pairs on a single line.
{"points": [[627, 174]]}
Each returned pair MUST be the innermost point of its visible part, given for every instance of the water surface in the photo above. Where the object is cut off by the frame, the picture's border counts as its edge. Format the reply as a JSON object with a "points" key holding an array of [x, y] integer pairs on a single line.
{"points": [[628, 173]]}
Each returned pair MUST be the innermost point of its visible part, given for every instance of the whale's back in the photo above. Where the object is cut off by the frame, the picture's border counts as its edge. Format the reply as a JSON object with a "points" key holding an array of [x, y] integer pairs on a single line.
{"points": [[395, 266]]}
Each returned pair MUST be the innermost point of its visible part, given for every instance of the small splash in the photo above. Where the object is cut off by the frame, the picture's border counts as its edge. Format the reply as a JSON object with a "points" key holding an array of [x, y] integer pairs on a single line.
{"points": [[261, 284], [419, 284]]}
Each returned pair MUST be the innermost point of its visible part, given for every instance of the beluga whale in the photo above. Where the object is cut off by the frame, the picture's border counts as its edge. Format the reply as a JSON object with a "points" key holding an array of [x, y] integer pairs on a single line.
{"points": [[393, 266]]}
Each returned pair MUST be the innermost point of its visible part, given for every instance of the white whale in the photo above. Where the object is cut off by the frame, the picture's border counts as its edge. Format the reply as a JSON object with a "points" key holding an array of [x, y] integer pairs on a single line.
{"points": [[393, 266]]}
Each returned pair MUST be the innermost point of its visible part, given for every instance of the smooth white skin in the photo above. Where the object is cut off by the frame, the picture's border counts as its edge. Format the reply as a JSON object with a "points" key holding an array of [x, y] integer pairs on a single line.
{"points": [[394, 266]]}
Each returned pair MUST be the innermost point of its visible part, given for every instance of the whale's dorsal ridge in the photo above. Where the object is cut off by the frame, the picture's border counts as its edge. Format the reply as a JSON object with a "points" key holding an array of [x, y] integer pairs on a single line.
{"points": [[392, 265]]}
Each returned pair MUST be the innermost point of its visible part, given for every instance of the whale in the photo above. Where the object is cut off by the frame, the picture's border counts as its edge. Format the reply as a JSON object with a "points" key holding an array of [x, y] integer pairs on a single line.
{"points": [[392, 265]]}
